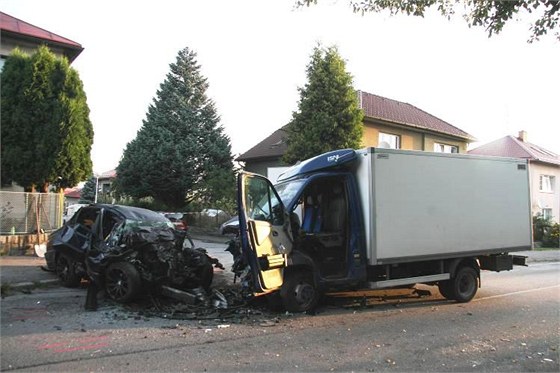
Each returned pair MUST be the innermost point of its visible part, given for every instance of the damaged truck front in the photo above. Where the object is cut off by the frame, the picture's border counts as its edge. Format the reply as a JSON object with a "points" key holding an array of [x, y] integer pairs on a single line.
{"points": [[380, 218]]}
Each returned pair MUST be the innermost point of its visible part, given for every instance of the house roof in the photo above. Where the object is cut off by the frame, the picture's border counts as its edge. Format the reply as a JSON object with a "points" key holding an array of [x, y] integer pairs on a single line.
{"points": [[513, 147], [72, 192], [20, 29], [274, 146], [386, 109], [111, 174], [375, 107]]}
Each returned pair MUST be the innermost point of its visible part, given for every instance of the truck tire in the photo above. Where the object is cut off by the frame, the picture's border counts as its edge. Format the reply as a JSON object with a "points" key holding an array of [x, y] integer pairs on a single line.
{"points": [[122, 282], [464, 285], [299, 293], [65, 269], [445, 289]]}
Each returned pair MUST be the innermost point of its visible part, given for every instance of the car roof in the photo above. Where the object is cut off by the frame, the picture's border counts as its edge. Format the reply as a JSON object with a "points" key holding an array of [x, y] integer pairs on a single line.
{"points": [[132, 213]]}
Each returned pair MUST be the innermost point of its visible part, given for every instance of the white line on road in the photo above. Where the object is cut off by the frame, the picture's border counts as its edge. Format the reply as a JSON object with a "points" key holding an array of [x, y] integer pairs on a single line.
{"points": [[515, 293]]}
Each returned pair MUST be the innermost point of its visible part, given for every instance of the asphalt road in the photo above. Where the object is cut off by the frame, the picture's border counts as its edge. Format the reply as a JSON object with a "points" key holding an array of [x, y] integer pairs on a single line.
{"points": [[513, 324]]}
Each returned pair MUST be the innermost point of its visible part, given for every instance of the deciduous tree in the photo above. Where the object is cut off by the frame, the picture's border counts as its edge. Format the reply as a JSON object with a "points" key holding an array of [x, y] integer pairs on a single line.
{"points": [[491, 14], [329, 116]]}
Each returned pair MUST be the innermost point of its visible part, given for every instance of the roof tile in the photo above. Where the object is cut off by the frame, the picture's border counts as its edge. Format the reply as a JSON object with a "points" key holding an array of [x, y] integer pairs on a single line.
{"points": [[19, 27], [510, 146], [383, 108]]}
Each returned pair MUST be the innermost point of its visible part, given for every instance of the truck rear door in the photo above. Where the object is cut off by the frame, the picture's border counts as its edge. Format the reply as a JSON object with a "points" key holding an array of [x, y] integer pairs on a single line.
{"points": [[264, 227]]}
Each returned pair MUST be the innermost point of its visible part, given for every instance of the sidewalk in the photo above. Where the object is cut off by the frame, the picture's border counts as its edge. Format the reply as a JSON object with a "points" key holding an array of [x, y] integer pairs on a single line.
{"points": [[25, 271]]}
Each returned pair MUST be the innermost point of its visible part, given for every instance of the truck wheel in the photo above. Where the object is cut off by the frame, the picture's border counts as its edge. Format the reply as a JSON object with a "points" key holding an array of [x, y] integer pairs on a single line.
{"points": [[445, 289], [122, 282], [464, 285], [66, 271], [298, 292]]}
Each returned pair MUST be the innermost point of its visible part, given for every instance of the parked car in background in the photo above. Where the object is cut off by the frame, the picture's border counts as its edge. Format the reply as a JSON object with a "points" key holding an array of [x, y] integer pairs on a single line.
{"points": [[212, 213], [126, 251], [230, 226], [71, 210], [177, 219]]}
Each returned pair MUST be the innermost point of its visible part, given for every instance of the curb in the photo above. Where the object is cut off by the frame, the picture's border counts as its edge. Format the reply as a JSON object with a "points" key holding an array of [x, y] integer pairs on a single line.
{"points": [[29, 284]]}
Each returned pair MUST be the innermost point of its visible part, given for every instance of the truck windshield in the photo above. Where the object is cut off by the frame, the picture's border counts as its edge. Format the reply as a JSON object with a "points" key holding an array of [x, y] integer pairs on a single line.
{"points": [[289, 190]]}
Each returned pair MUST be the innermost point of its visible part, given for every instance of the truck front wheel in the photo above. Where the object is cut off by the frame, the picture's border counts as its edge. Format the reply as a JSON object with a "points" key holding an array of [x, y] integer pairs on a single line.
{"points": [[464, 285], [298, 292]]}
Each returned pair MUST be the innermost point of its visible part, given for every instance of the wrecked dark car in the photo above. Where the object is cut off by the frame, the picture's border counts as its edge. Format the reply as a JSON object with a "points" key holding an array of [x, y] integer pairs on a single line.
{"points": [[127, 251]]}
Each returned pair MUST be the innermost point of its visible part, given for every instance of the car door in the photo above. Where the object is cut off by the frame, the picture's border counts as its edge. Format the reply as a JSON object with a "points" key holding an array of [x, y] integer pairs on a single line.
{"points": [[76, 238], [264, 227]]}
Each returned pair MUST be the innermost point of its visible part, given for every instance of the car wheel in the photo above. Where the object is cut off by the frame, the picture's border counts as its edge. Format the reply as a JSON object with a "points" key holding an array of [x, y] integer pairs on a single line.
{"points": [[298, 292], [464, 284], [122, 282], [65, 269]]}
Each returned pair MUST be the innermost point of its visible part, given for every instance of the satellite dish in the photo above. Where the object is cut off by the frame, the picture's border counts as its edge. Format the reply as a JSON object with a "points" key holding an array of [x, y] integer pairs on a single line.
{"points": [[384, 145]]}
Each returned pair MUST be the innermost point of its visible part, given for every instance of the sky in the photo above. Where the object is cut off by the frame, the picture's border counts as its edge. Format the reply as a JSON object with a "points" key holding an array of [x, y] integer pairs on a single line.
{"points": [[254, 54]]}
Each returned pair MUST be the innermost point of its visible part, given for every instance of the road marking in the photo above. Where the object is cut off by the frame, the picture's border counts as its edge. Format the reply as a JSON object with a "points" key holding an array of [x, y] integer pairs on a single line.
{"points": [[515, 293], [87, 343]]}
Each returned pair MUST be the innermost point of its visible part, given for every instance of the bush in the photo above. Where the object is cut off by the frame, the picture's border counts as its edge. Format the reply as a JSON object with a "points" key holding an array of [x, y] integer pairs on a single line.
{"points": [[546, 231]]}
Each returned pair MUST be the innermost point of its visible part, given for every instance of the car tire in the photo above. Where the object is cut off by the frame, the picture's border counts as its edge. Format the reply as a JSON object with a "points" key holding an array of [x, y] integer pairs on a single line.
{"points": [[298, 292], [65, 269], [122, 282]]}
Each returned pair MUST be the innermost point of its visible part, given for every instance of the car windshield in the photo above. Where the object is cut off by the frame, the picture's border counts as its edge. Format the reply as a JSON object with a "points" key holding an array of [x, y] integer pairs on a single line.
{"points": [[130, 225]]}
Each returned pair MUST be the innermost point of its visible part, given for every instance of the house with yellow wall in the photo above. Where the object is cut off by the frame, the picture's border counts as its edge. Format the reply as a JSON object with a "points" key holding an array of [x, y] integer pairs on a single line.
{"points": [[387, 123]]}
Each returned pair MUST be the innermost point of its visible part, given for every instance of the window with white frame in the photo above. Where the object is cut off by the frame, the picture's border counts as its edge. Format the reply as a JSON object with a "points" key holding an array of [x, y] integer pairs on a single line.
{"points": [[389, 141], [546, 183], [547, 214], [444, 148]]}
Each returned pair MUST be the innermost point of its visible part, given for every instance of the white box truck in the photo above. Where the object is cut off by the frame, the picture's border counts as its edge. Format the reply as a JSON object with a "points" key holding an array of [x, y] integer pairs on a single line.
{"points": [[379, 218]]}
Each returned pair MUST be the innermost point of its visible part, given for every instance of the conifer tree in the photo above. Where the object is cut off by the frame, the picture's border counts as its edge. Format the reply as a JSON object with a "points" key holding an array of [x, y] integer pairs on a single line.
{"points": [[46, 131], [181, 143], [87, 194], [329, 116]]}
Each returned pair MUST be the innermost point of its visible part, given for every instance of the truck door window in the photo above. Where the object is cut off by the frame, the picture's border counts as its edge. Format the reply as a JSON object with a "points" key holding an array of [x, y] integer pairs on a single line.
{"points": [[262, 203]]}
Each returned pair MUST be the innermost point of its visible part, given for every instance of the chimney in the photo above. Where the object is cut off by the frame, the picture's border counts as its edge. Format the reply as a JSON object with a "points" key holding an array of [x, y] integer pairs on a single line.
{"points": [[522, 136]]}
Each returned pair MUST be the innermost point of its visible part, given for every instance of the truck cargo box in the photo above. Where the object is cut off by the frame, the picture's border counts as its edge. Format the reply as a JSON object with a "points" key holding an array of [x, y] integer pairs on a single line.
{"points": [[420, 205]]}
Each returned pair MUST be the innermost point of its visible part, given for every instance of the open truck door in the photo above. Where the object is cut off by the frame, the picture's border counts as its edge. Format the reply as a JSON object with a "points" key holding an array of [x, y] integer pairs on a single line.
{"points": [[264, 227]]}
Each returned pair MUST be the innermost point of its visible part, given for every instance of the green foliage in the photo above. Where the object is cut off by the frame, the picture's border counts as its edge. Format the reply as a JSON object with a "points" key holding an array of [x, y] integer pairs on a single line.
{"points": [[88, 191], [546, 231], [492, 15], [46, 131], [181, 152], [329, 116]]}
